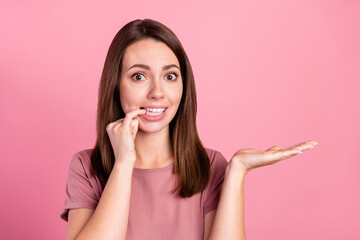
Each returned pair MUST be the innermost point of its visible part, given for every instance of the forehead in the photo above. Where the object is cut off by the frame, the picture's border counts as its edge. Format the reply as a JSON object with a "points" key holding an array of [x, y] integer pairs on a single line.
{"points": [[149, 52]]}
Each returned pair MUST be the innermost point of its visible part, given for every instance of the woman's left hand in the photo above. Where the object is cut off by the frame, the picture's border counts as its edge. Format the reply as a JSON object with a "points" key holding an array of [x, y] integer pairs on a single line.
{"points": [[248, 158]]}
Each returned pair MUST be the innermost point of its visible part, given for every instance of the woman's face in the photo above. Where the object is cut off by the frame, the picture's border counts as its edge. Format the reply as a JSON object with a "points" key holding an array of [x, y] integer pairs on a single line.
{"points": [[151, 79]]}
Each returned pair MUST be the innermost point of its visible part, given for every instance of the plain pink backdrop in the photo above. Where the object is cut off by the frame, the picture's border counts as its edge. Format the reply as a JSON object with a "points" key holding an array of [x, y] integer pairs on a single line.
{"points": [[267, 73]]}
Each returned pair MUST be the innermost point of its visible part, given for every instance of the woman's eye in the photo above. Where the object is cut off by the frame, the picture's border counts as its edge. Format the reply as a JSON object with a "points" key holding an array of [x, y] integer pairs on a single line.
{"points": [[171, 76], [138, 76]]}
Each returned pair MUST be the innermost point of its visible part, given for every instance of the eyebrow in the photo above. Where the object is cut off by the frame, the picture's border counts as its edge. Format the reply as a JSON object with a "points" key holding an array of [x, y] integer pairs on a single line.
{"points": [[166, 67]]}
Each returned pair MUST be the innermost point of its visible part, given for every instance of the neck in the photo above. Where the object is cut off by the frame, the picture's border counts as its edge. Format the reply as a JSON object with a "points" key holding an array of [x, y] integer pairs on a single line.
{"points": [[153, 150]]}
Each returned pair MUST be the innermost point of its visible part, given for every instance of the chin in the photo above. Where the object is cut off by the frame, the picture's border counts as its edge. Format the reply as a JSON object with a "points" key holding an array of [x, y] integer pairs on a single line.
{"points": [[151, 129]]}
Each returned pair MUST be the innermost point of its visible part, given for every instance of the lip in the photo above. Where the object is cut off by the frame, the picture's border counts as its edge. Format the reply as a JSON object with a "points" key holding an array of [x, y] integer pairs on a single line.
{"points": [[154, 118], [153, 106]]}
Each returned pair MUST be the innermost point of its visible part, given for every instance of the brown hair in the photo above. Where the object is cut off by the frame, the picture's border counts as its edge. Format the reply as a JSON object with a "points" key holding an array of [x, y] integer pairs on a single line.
{"points": [[192, 164]]}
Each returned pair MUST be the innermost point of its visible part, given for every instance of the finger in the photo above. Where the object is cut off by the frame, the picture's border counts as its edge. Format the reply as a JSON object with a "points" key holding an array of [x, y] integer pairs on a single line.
{"points": [[302, 146], [113, 124], [292, 147], [309, 145], [134, 122], [131, 115], [274, 148], [249, 150], [135, 125], [274, 156], [118, 121]]}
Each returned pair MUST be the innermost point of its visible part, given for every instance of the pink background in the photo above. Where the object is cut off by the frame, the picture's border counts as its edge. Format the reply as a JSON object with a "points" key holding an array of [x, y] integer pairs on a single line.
{"points": [[267, 73]]}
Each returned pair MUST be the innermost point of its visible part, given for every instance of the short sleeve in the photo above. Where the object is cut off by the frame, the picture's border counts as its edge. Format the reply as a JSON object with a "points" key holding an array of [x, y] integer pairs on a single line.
{"points": [[79, 189], [212, 195]]}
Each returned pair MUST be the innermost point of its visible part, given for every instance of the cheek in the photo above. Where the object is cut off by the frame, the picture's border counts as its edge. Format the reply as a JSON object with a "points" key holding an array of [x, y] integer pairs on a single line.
{"points": [[179, 93], [125, 98], [175, 98], [131, 99], [179, 96], [128, 101]]}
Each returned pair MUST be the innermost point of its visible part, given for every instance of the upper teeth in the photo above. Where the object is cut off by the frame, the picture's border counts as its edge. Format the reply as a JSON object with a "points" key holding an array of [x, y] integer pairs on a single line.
{"points": [[155, 109]]}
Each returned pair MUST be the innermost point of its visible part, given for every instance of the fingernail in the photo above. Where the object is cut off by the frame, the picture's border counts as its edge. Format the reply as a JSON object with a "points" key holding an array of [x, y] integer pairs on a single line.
{"points": [[315, 143], [299, 152]]}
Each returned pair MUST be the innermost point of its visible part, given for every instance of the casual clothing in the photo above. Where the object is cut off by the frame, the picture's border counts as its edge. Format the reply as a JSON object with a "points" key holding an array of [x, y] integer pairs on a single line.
{"points": [[155, 213]]}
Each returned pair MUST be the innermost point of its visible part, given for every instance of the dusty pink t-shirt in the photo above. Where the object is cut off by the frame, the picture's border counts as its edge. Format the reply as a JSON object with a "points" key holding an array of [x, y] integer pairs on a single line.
{"points": [[154, 213]]}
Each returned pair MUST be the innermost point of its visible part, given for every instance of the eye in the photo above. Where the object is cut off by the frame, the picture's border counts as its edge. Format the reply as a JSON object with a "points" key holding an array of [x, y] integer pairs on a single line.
{"points": [[172, 76], [137, 76]]}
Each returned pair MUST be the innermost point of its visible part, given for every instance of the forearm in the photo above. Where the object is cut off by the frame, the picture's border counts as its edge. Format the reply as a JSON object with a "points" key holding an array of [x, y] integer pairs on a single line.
{"points": [[229, 219], [110, 218]]}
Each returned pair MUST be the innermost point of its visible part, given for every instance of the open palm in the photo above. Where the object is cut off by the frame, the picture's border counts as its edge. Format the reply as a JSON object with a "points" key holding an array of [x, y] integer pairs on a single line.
{"points": [[249, 158]]}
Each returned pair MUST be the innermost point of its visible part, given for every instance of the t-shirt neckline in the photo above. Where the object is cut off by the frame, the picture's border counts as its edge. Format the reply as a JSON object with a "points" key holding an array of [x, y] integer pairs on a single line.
{"points": [[153, 170]]}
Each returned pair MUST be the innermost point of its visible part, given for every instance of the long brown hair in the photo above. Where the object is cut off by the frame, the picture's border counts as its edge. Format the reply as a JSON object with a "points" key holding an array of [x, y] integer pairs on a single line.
{"points": [[192, 164]]}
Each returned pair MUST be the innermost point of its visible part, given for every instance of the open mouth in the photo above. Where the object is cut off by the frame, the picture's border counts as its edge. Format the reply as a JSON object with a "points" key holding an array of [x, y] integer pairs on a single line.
{"points": [[154, 111]]}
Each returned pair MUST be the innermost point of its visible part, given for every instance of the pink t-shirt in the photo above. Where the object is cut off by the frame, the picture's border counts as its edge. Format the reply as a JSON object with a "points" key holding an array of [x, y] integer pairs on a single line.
{"points": [[154, 212]]}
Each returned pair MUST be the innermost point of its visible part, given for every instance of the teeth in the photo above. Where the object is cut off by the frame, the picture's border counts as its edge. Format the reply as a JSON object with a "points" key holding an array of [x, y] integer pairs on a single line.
{"points": [[154, 111]]}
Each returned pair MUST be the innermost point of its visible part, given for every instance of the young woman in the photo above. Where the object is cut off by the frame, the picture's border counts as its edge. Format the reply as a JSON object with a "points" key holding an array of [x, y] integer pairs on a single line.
{"points": [[149, 176]]}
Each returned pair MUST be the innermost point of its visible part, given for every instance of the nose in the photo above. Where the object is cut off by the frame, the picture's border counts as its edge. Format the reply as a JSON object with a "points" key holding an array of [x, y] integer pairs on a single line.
{"points": [[156, 90]]}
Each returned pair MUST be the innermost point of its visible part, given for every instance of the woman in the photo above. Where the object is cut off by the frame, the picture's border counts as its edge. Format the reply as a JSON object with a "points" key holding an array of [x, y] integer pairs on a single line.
{"points": [[149, 176]]}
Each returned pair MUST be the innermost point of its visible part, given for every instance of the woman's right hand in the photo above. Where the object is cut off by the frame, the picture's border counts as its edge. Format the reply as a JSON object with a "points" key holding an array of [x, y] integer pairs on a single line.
{"points": [[122, 135]]}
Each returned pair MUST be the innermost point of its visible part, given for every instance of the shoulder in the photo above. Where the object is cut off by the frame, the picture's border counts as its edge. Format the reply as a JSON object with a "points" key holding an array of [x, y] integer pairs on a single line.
{"points": [[216, 158], [81, 161], [218, 164], [80, 170]]}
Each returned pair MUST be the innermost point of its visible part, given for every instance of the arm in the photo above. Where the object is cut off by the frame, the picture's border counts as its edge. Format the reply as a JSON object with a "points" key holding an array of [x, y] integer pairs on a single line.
{"points": [[229, 218], [208, 223], [110, 218]]}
